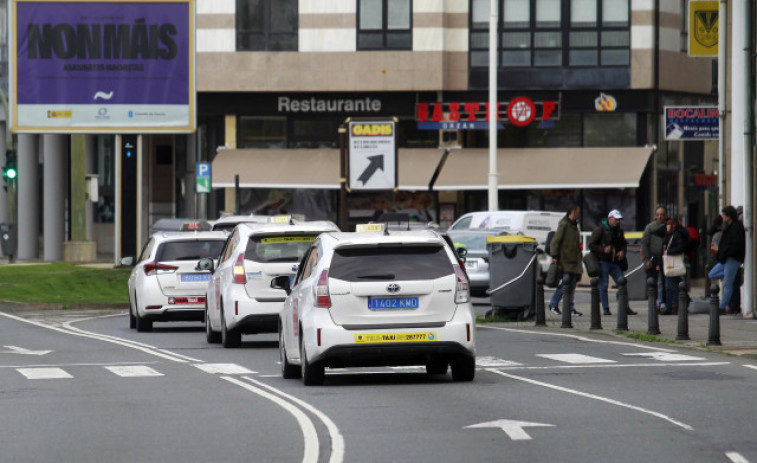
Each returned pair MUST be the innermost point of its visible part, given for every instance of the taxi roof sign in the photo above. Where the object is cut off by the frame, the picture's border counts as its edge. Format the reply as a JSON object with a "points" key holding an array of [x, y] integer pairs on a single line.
{"points": [[370, 227], [281, 219]]}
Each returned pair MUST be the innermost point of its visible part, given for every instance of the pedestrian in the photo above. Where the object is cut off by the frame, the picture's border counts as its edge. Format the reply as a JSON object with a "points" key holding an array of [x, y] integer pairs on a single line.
{"points": [[676, 243], [731, 250], [715, 232], [565, 249], [609, 243], [652, 242]]}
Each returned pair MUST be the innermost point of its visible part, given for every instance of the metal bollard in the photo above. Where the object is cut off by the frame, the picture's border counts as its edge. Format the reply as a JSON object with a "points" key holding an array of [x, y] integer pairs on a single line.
{"points": [[596, 321], [653, 322], [683, 312], [622, 305], [713, 339], [566, 323], [541, 319]]}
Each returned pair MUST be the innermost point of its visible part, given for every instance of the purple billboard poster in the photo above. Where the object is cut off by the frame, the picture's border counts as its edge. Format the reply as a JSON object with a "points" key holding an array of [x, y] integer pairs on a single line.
{"points": [[103, 66]]}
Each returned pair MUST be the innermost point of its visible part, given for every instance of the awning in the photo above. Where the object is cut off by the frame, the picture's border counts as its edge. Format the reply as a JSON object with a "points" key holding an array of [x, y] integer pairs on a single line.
{"points": [[464, 169]]}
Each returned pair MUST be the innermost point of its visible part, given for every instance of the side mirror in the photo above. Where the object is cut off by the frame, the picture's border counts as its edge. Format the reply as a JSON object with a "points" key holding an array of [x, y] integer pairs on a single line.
{"points": [[127, 261], [462, 253], [205, 264], [282, 282]]}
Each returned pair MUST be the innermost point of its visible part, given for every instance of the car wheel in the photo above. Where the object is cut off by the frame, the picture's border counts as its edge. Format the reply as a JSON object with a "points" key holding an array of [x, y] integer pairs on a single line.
{"points": [[213, 337], [312, 373], [463, 368], [229, 338], [132, 318], [288, 371], [436, 367], [140, 323]]}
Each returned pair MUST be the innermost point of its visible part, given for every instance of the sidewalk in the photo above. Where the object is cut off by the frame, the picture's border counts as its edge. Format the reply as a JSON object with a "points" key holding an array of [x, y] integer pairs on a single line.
{"points": [[738, 335]]}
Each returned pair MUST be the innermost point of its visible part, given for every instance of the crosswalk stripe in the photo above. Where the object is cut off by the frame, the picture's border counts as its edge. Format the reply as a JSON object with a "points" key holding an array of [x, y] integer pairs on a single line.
{"points": [[133, 371], [575, 358], [494, 362], [666, 356], [44, 373], [224, 369]]}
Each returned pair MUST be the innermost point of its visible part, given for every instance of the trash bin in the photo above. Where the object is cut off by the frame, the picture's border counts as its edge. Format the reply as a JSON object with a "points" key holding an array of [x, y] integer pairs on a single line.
{"points": [[512, 275], [636, 275], [8, 239]]}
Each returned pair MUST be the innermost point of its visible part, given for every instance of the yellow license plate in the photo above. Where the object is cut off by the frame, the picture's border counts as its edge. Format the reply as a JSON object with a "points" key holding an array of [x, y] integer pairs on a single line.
{"points": [[395, 337]]}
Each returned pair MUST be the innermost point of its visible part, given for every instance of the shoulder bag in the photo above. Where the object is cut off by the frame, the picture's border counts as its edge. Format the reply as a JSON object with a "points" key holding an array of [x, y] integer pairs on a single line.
{"points": [[673, 266], [554, 275], [591, 262]]}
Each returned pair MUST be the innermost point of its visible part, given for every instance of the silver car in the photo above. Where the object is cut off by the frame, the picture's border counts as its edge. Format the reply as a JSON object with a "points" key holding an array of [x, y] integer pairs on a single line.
{"points": [[477, 258]]}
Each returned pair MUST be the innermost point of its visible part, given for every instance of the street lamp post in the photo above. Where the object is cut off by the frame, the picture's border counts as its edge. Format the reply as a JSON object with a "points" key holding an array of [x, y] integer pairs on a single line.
{"points": [[493, 175]]}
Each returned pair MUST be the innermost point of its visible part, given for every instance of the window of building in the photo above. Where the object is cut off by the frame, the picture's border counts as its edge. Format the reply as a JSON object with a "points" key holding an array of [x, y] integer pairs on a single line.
{"points": [[553, 33], [615, 129], [384, 25], [261, 132], [266, 25]]}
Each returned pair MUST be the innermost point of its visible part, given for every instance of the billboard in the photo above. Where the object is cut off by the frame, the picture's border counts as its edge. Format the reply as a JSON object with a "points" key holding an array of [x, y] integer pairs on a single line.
{"points": [[102, 66], [372, 154], [691, 123]]}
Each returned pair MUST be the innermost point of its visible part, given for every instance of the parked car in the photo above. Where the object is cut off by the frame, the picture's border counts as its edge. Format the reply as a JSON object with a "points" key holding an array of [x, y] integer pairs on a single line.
{"points": [[377, 299], [476, 256], [179, 224], [164, 284], [240, 299]]}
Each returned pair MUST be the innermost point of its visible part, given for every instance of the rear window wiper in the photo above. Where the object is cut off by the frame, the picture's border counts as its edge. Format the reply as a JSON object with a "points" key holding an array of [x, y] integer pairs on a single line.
{"points": [[380, 276]]}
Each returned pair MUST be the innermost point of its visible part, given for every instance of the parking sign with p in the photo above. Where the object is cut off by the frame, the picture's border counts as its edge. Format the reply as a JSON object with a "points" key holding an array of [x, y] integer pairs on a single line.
{"points": [[202, 173]]}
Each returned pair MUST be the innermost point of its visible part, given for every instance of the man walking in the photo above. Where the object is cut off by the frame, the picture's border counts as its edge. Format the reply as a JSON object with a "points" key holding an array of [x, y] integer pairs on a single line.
{"points": [[731, 250], [565, 250], [609, 243], [652, 242]]}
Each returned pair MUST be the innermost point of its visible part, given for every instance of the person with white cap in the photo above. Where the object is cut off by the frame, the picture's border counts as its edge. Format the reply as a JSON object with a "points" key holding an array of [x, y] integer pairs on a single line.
{"points": [[609, 243]]}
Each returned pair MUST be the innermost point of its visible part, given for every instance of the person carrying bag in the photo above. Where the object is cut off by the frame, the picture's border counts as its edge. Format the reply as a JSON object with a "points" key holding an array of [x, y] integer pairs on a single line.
{"points": [[673, 263]]}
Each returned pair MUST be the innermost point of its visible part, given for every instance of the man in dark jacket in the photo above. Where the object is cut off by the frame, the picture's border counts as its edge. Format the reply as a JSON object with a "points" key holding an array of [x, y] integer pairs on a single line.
{"points": [[652, 242], [565, 250], [609, 243], [731, 251]]}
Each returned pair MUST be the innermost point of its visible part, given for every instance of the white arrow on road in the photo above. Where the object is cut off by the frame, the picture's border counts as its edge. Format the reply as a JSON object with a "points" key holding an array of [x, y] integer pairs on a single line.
{"points": [[514, 429], [21, 350]]}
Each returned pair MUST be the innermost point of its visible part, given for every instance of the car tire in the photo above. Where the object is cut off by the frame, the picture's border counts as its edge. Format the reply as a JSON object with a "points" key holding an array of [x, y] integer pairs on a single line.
{"points": [[436, 367], [229, 338], [288, 371], [312, 373], [463, 368], [132, 318], [140, 323], [213, 337]]}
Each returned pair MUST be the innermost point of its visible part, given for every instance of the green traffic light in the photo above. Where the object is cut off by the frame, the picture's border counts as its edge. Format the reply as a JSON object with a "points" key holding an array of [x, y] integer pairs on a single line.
{"points": [[10, 173]]}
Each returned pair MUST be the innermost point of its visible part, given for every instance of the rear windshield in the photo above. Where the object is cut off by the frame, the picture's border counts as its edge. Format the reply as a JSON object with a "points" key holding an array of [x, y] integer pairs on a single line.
{"points": [[189, 250], [226, 226], [383, 263], [278, 248]]}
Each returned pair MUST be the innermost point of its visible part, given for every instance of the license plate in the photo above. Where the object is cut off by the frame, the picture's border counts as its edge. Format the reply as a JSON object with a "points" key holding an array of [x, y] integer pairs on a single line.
{"points": [[395, 337], [392, 303], [191, 277]]}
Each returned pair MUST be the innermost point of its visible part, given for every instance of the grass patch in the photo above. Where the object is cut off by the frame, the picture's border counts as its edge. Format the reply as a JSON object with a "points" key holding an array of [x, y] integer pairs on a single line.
{"points": [[645, 337], [63, 283]]}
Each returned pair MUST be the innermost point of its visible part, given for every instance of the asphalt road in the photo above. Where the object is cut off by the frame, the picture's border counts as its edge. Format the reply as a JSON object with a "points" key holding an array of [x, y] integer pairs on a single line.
{"points": [[83, 387]]}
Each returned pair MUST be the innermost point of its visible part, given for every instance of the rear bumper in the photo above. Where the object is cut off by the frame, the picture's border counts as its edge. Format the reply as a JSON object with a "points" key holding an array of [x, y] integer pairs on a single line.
{"points": [[252, 315], [155, 307], [400, 354]]}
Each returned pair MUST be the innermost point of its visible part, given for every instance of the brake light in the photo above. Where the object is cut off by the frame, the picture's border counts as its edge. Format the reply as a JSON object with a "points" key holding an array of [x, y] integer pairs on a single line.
{"points": [[239, 274], [322, 297], [462, 289], [151, 268]]}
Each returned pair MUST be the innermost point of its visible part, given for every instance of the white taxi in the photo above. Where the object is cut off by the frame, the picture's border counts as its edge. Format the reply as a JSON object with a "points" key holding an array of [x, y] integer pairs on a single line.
{"points": [[240, 299], [164, 284], [377, 298]]}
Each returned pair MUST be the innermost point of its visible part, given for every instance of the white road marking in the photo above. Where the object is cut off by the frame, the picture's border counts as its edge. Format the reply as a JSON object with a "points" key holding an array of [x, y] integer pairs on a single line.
{"points": [[306, 425], [666, 356], [133, 371], [594, 397], [753, 367], [736, 457], [22, 351], [514, 429], [575, 358], [494, 362], [44, 373], [619, 365], [576, 337], [224, 369], [337, 440]]}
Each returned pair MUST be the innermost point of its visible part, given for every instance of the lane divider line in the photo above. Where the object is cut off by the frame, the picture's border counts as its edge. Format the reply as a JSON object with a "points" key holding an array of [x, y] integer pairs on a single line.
{"points": [[594, 397]]}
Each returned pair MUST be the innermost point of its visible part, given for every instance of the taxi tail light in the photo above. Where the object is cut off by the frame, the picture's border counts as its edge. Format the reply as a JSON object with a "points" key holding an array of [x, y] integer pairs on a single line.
{"points": [[462, 289], [322, 297], [151, 268], [239, 274]]}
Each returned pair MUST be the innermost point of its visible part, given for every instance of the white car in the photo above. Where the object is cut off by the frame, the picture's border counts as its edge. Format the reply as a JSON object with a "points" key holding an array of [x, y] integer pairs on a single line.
{"points": [[368, 299], [164, 284], [240, 299]]}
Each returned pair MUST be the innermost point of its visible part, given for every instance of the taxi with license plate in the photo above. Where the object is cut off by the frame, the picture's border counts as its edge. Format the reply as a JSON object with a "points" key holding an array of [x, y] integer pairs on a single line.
{"points": [[377, 298], [240, 299], [164, 284]]}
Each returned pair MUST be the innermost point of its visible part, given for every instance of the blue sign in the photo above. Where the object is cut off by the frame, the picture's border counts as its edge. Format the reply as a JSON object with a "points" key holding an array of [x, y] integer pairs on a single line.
{"points": [[691, 123], [459, 125], [202, 169]]}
